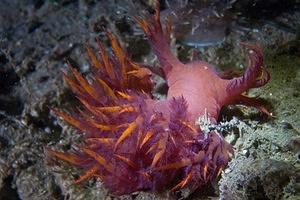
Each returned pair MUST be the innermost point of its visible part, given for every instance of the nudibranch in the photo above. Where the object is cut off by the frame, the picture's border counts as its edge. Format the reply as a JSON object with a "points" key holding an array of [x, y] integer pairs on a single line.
{"points": [[133, 141]]}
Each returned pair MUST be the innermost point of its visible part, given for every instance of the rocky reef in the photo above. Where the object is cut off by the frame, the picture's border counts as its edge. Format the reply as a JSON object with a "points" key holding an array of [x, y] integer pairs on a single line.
{"points": [[36, 37]]}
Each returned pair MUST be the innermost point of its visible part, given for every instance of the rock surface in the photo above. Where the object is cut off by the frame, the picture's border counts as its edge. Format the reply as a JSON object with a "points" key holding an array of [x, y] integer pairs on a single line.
{"points": [[36, 37]]}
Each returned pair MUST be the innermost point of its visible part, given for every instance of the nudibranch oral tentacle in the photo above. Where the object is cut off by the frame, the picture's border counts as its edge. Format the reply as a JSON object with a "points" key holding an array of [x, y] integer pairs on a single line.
{"points": [[256, 74], [133, 141], [160, 38]]}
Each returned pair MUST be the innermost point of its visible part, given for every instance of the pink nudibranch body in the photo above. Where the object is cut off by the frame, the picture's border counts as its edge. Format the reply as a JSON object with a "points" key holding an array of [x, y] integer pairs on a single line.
{"points": [[200, 85], [132, 141]]}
